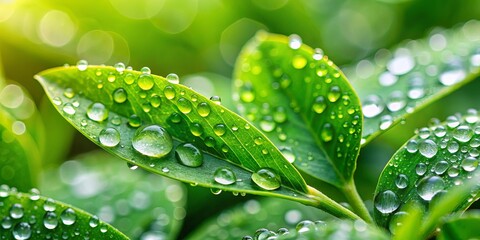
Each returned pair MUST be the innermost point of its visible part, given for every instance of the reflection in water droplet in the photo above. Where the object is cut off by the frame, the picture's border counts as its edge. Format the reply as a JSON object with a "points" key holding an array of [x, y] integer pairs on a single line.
{"points": [[68, 109], [463, 133], [319, 105], [412, 146], [421, 169], [372, 106], [386, 202], [401, 181], [145, 82], [266, 178], [97, 112], [68, 216], [203, 109], [120, 95], [120, 67], [153, 141], [428, 148], [16, 211], [184, 105], [469, 164], [429, 186], [189, 155], [216, 99], [219, 129], [50, 220], [109, 137], [224, 176], [334, 94], [21, 231], [288, 154]]}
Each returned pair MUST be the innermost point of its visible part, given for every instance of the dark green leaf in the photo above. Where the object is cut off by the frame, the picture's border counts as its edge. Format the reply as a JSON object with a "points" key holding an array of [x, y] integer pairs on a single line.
{"points": [[303, 103], [30, 216], [428, 166], [101, 184], [463, 227], [103, 99], [236, 222], [396, 83]]}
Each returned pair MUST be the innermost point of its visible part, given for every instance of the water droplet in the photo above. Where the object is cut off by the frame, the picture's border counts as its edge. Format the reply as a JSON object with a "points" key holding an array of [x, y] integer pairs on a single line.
{"points": [[129, 79], [453, 171], [68, 109], [453, 73], [203, 109], [153, 141], [453, 146], [386, 202], [387, 79], [396, 101], [401, 181], [196, 129], [429, 186], [34, 194], [334, 94], [184, 105], [416, 87], [134, 121], [305, 226], [428, 148], [463, 133], [385, 122], [173, 78], [219, 129], [82, 65], [16, 211], [120, 67], [145, 82], [266, 178], [299, 62], [440, 167], [120, 95], [215, 191], [294, 41], [421, 169], [111, 78], [169, 92], [109, 137], [210, 142], [372, 106], [318, 54], [440, 131], [189, 155], [165, 170], [97, 112], [396, 221], [145, 70], [288, 154], [69, 93], [280, 115], [216, 99], [412, 146], [247, 94], [327, 132], [224, 176], [469, 164], [49, 205], [267, 124], [319, 105], [22, 231], [50, 220], [402, 63]]}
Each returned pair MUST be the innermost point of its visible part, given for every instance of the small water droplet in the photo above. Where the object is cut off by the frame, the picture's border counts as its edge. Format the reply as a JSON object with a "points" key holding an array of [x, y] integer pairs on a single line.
{"points": [[68, 109], [16, 211], [267, 124], [440, 131], [247, 94], [385, 122], [386, 202], [280, 115], [173, 78], [215, 191], [412, 146], [153, 141], [189, 155], [184, 105], [21, 231], [145, 70], [216, 99], [299, 62], [134, 121], [210, 142], [145, 82], [50, 220], [372, 106], [401, 181], [219, 129], [196, 129], [266, 178], [129, 79], [165, 170], [97, 112], [69, 93], [93, 222], [429, 186], [319, 104], [440, 167], [288, 154], [169, 92], [396, 101], [327, 132], [334, 94], [318, 54], [7, 222], [416, 87], [109, 137], [294, 41], [463, 133], [120, 95], [452, 121], [34, 194], [453, 73], [402, 63], [305, 226], [120, 67], [428, 148], [68, 216], [224, 176], [49, 205], [421, 169], [82, 65], [203, 109]]}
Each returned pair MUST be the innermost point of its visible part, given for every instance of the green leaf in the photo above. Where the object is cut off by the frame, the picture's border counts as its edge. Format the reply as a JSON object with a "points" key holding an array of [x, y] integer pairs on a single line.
{"points": [[102, 98], [236, 223], [398, 82], [429, 165], [98, 183], [463, 227], [303, 103], [30, 216]]}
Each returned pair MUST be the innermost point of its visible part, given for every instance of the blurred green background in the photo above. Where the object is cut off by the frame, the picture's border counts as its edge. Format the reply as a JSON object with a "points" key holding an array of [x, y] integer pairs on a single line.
{"points": [[190, 37]]}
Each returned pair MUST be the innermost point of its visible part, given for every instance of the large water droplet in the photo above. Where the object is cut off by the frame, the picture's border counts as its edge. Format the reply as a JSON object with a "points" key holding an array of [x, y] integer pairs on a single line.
{"points": [[203, 109], [219, 129], [145, 82], [288, 154], [401, 181], [267, 124], [453, 73], [319, 105], [402, 63], [120, 95], [429, 186], [386, 202], [22, 231], [173, 78], [463, 133], [109, 137], [224, 176], [82, 65], [97, 112], [189, 155], [334, 94], [50, 220], [266, 178], [372, 106], [152, 141], [428, 148], [294, 41], [16, 211], [68, 216], [469, 164]]}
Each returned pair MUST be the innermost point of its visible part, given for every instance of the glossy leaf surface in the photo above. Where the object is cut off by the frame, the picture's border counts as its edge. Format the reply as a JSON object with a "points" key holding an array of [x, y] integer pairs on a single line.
{"points": [[31, 216], [428, 166], [303, 103], [101, 184], [145, 118], [398, 82]]}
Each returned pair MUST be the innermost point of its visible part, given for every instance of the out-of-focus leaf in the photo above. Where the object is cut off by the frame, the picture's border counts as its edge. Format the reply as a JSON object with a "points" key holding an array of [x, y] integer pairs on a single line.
{"points": [[31, 216], [303, 103], [463, 227], [101, 184], [428, 166], [396, 83], [147, 121], [272, 213]]}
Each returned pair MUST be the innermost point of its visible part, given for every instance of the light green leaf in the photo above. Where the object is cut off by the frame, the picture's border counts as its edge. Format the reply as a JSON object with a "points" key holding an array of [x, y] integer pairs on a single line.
{"points": [[463, 227], [101, 184], [303, 103], [31, 216], [398, 82], [236, 223], [95, 99], [2, 75], [429, 165]]}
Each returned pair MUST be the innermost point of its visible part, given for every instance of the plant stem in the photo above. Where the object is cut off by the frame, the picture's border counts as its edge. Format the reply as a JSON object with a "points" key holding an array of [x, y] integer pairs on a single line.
{"points": [[329, 205], [356, 201]]}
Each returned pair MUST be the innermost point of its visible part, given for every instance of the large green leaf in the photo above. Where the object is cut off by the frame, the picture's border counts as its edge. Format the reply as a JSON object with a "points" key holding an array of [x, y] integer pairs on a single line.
{"points": [[429, 165], [303, 103], [31, 216], [395, 83], [133, 115], [98, 183], [463, 227], [273, 213]]}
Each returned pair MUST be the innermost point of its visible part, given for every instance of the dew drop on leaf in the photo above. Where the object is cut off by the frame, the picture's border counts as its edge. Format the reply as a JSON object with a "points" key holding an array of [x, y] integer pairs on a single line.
{"points": [[68, 109], [68, 216], [69, 93], [412, 146], [469, 164], [134, 121], [266, 178], [145, 82], [16, 211], [246, 93], [267, 124], [327, 132], [318, 54], [299, 62], [120, 95], [169, 92], [155, 101], [50, 220], [288, 154], [429, 186], [386, 202], [97, 112], [219, 129], [294, 41], [428, 148], [463, 133], [224, 176], [203, 109], [216, 99], [93, 222], [396, 101], [49, 205], [145, 70], [189, 155], [109, 137], [372, 106], [401, 181], [421, 169], [21, 231], [196, 129], [319, 105], [305, 226], [184, 105], [7, 222], [153, 141], [82, 65], [173, 78], [333, 94], [129, 79], [120, 67]]}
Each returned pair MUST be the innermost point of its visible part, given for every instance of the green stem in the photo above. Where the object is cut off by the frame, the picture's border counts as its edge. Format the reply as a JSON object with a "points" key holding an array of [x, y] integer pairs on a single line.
{"points": [[356, 201], [329, 205]]}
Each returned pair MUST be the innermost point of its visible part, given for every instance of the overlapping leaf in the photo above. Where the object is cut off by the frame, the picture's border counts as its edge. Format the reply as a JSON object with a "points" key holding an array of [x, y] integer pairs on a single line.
{"points": [[30, 216], [124, 102], [303, 103], [398, 82], [428, 165], [101, 184], [464, 227]]}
